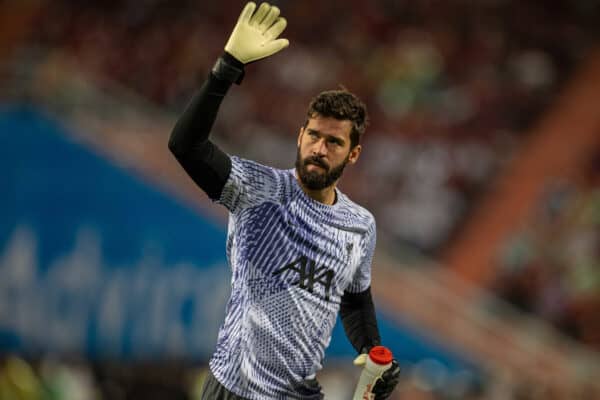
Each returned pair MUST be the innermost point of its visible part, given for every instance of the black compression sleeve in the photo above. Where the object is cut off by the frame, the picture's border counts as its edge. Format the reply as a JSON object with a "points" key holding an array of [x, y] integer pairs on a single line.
{"points": [[204, 162], [358, 317]]}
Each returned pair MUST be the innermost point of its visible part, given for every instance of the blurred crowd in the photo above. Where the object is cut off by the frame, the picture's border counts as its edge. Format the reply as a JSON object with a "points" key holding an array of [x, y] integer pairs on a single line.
{"points": [[53, 379], [451, 86], [551, 267]]}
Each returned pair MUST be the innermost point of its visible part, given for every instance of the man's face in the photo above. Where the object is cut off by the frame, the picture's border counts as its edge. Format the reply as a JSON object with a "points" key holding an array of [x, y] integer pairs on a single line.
{"points": [[323, 151]]}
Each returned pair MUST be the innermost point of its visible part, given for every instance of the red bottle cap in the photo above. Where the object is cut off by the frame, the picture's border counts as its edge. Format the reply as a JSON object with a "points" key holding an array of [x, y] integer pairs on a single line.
{"points": [[380, 355]]}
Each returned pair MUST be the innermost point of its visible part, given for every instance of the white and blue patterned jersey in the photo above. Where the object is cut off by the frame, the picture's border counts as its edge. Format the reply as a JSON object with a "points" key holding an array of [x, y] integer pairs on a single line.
{"points": [[292, 258]]}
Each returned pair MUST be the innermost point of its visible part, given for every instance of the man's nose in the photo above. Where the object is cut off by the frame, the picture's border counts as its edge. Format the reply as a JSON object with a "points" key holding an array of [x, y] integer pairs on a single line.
{"points": [[320, 148]]}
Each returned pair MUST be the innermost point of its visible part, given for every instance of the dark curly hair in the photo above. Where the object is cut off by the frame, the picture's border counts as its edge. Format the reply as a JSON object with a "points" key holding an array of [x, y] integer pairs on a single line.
{"points": [[341, 105]]}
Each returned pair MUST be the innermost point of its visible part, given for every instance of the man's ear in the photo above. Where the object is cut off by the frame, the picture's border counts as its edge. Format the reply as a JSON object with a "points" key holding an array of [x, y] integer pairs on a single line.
{"points": [[354, 154], [300, 135]]}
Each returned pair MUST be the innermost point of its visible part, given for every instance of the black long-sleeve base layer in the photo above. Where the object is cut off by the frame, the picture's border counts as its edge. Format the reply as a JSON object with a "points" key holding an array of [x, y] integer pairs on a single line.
{"points": [[360, 323], [204, 162], [209, 167]]}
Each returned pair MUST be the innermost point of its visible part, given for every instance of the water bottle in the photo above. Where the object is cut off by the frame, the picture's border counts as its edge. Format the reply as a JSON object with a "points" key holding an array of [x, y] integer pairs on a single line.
{"points": [[378, 361]]}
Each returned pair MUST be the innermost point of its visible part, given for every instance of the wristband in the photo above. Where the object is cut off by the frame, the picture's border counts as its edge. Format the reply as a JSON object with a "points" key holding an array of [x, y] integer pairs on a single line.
{"points": [[228, 69]]}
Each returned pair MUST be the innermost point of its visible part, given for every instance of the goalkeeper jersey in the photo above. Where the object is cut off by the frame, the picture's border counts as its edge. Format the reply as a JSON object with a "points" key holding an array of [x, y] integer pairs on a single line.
{"points": [[291, 258]]}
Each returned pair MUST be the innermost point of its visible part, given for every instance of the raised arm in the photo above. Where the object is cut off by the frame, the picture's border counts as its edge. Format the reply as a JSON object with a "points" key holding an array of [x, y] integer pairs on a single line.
{"points": [[254, 37]]}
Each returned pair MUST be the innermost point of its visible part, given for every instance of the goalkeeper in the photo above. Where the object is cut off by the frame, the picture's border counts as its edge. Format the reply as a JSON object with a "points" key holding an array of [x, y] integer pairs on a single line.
{"points": [[299, 249]]}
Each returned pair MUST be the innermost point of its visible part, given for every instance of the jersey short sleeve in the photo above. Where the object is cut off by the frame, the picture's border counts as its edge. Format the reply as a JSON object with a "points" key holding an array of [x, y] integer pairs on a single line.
{"points": [[362, 277], [249, 184]]}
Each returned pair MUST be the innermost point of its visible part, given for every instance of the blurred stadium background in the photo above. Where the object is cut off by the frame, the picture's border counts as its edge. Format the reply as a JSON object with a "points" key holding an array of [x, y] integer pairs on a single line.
{"points": [[481, 165]]}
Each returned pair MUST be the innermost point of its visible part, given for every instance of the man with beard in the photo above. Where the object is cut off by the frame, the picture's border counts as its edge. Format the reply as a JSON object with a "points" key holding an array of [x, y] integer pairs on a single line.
{"points": [[299, 249]]}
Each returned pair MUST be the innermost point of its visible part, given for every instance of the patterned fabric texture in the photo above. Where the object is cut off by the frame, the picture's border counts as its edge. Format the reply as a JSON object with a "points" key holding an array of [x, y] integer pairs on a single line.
{"points": [[291, 258]]}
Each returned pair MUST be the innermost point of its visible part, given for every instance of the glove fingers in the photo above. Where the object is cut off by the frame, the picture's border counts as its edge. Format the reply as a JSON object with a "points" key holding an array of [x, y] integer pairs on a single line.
{"points": [[393, 373], [247, 13], [275, 46], [389, 379], [275, 30], [269, 19], [360, 360], [260, 14]]}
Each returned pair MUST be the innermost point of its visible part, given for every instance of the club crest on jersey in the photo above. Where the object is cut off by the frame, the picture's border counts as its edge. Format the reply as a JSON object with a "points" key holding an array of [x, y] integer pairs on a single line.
{"points": [[309, 274]]}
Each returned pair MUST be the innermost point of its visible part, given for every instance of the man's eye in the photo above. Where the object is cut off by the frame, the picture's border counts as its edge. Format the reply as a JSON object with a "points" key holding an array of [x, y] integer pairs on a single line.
{"points": [[313, 134]]}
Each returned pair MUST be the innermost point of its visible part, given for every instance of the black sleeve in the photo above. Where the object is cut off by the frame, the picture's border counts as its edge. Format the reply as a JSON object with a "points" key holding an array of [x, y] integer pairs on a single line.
{"points": [[204, 162], [358, 317]]}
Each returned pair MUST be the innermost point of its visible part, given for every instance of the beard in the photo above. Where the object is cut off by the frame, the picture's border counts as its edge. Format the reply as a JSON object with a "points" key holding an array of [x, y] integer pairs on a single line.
{"points": [[315, 179]]}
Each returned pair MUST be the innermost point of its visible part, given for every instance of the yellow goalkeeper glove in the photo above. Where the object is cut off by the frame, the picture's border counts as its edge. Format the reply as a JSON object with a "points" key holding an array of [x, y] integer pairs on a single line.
{"points": [[255, 34], [361, 360]]}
